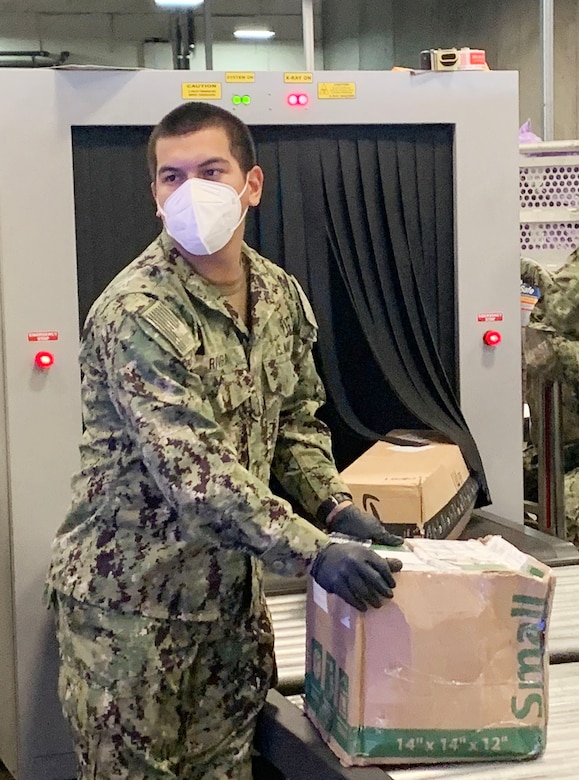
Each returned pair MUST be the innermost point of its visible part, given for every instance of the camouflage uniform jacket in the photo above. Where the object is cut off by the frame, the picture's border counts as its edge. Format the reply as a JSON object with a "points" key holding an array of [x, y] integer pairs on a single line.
{"points": [[552, 345], [185, 413]]}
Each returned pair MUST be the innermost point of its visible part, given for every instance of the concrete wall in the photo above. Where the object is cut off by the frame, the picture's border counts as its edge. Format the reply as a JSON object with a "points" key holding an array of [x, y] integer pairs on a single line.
{"points": [[566, 60], [282, 55], [508, 31]]}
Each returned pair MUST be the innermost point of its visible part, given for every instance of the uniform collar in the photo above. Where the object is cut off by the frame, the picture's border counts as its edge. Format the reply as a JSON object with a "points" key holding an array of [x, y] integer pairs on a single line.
{"points": [[264, 288]]}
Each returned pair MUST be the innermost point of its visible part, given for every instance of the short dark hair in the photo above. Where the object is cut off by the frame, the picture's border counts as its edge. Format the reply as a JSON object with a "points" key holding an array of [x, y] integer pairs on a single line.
{"points": [[191, 117]]}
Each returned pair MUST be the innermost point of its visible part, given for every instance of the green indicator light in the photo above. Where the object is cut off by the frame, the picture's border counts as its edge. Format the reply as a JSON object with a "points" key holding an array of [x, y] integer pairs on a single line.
{"points": [[236, 100], [246, 100]]}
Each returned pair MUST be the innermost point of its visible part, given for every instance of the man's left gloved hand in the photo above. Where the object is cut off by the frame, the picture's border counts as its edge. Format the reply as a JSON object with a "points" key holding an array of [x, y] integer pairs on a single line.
{"points": [[351, 521]]}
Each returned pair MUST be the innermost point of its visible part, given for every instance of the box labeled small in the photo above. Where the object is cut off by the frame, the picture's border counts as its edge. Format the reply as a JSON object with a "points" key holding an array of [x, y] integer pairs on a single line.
{"points": [[453, 669]]}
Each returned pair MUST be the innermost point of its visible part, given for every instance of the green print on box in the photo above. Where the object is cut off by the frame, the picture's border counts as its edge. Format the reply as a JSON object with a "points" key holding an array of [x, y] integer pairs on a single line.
{"points": [[501, 743], [530, 612], [328, 698], [330, 679], [401, 685]]}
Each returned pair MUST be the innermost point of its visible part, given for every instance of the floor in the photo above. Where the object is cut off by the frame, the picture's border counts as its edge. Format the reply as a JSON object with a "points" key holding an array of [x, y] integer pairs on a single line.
{"points": [[262, 770]]}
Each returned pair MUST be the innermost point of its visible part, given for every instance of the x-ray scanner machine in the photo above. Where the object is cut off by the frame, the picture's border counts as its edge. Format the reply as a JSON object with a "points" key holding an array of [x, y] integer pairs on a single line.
{"points": [[40, 416]]}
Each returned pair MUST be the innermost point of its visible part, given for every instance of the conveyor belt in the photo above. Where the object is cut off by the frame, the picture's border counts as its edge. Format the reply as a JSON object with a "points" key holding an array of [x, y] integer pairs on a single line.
{"points": [[544, 547], [564, 628], [290, 743], [561, 758], [288, 613]]}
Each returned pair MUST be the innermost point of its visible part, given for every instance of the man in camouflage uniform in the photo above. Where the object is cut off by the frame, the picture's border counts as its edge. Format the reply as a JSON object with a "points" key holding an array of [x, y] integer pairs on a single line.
{"points": [[198, 381], [552, 352]]}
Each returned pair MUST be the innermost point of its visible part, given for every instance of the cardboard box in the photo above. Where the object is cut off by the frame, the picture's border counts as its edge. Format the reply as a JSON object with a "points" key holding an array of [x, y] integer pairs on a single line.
{"points": [[454, 668], [414, 487]]}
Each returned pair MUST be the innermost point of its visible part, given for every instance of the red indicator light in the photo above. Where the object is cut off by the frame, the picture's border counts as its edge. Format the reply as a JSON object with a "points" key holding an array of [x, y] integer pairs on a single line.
{"points": [[43, 359], [298, 99], [492, 338]]}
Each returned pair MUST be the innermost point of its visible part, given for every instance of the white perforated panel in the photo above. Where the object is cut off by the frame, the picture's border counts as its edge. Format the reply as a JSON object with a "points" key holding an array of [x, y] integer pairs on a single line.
{"points": [[549, 202], [551, 186], [549, 236]]}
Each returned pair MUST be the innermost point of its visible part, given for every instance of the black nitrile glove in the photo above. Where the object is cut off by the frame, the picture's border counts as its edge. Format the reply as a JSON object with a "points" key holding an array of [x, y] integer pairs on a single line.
{"points": [[351, 521], [356, 574]]}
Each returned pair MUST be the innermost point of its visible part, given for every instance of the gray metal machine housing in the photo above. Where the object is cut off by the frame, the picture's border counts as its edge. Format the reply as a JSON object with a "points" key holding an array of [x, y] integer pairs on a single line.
{"points": [[40, 417]]}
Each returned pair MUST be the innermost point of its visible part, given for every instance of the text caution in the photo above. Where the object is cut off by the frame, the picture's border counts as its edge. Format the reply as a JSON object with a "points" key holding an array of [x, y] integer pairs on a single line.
{"points": [[204, 90]]}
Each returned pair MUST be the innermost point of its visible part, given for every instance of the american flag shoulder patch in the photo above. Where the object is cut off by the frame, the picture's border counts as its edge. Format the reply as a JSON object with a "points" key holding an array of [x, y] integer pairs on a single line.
{"points": [[177, 333]]}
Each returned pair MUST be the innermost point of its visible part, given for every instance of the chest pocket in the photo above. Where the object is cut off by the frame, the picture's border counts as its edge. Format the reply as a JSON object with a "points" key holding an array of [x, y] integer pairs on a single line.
{"points": [[280, 376], [232, 389]]}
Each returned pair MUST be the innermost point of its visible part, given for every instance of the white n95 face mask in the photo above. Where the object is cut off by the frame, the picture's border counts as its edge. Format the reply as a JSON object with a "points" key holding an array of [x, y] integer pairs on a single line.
{"points": [[202, 216]]}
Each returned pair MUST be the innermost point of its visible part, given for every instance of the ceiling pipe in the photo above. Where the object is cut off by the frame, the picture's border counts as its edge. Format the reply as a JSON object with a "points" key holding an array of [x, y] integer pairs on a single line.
{"points": [[548, 54], [182, 39], [37, 59], [208, 24], [308, 29]]}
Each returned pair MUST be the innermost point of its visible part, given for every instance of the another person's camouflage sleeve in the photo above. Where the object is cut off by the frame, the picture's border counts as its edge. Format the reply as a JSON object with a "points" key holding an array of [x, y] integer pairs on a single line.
{"points": [[551, 340], [163, 406], [303, 461], [560, 305], [535, 274]]}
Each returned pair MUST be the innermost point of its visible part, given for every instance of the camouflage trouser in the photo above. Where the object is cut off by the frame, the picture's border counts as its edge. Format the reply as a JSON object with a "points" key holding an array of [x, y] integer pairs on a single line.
{"points": [[572, 505], [162, 700], [571, 488]]}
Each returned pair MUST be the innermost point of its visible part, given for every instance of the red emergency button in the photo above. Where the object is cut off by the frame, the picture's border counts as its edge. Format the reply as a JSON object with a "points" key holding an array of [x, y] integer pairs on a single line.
{"points": [[43, 359], [492, 338]]}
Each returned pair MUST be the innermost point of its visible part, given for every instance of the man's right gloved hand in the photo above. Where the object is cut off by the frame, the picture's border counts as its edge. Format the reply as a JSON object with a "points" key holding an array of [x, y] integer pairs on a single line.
{"points": [[356, 574]]}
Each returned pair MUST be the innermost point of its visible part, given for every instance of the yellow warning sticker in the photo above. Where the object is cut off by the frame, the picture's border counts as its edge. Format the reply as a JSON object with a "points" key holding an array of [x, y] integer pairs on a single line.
{"points": [[298, 78], [201, 90], [240, 78], [340, 90]]}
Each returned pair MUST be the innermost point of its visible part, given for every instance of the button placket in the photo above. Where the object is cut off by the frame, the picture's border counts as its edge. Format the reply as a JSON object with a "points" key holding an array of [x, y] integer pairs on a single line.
{"points": [[255, 360]]}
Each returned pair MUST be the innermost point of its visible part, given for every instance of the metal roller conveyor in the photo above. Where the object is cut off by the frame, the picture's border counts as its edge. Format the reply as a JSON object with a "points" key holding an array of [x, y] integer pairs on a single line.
{"points": [[564, 628], [288, 613]]}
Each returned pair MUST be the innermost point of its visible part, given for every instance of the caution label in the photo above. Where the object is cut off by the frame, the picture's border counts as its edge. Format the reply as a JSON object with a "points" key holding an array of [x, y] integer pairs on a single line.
{"points": [[340, 90], [240, 78], [298, 78], [201, 90], [43, 335]]}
